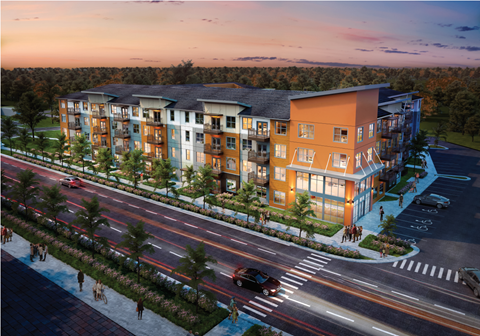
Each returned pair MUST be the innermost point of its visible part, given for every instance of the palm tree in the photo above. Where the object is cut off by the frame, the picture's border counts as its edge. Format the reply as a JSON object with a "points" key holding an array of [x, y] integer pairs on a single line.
{"points": [[247, 195], [53, 203], [204, 182], [25, 189], [419, 147], [9, 129], [189, 175], [60, 146], [440, 131], [388, 225], [42, 143]]}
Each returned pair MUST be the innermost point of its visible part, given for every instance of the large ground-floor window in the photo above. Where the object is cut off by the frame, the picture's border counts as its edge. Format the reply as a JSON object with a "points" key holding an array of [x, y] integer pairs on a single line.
{"points": [[329, 210]]}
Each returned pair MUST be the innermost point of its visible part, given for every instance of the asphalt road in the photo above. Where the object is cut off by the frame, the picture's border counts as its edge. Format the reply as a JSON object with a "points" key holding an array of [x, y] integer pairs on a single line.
{"points": [[324, 296]]}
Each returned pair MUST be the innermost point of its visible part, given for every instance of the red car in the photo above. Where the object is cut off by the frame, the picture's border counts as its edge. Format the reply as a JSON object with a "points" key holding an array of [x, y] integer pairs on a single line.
{"points": [[71, 181], [256, 280]]}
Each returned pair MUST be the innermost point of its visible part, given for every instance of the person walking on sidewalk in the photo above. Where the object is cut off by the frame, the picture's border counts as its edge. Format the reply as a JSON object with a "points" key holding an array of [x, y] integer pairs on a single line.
{"points": [[381, 212], [4, 235], [360, 231], [267, 218], [140, 308], [354, 232], [45, 250], [230, 306], [9, 234], [414, 187], [345, 233], [417, 176], [31, 252], [94, 288], [35, 250], [100, 289], [80, 279], [382, 250], [400, 201], [40, 251], [387, 249], [235, 314], [425, 164]]}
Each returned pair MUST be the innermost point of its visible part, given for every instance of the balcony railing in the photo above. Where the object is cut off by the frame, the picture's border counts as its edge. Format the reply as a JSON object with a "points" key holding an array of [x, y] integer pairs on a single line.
{"points": [[154, 122], [121, 149], [72, 139], [258, 157], [99, 144], [408, 116], [398, 148], [217, 170], [212, 129], [386, 133], [396, 129], [152, 155], [156, 140], [213, 149], [121, 117], [258, 135], [74, 125], [73, 111], [388, 176], [122, 133], [387, 155], [399, 167], [100, 130], [261, 180], [99, 114], [407, 131]]}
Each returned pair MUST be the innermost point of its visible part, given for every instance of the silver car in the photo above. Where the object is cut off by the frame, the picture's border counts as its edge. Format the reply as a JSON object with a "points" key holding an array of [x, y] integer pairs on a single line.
{"points": [[432, 199], [71, 181], [471, 276]]}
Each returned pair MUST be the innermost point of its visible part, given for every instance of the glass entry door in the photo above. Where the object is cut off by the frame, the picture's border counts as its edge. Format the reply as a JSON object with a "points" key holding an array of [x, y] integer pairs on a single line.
{"points": [[216, 123], [216, 143], [262, 171], [156, 116], [262, 128], [216, 164], [157, 134]]}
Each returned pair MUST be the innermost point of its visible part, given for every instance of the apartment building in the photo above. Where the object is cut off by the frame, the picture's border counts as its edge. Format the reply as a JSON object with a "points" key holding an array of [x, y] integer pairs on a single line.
{"points": [[345, 147]]}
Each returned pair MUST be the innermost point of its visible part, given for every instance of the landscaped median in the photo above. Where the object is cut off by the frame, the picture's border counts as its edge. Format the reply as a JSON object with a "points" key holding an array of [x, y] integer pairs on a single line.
{"points": [[397, 247], [319, 227], [258, 330]]}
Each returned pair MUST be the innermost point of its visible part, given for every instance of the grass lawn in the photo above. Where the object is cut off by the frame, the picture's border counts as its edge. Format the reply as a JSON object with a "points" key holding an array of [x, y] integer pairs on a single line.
{"points": [[49, 134], [403, 182], [388, 199]]}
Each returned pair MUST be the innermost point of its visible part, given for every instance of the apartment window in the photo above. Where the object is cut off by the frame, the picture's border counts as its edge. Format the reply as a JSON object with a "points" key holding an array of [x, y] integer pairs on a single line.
{"points": [[246, 144], [261, 192], [187, 117], [280, 151], [305, 155], [278, 197], [172, 131], [231, 143], [85, 106], [172, 115], [316, 183], [85, 121], [246, 166], [231, 185], [334, 211], [200, 157], [135, 111], [377, 146], [384, 144], [200, 138], [280, 127], [146, 130], [231, 122], [137, 144], [334, 187], [306, 131], [114, 124], [63, 103], [389, 143], [339, 160], [371, 130], [247, 123], [340, 134], [232, 163], [379, 125], [280, 173], [173, 152], [187, 154], [360, 134], [87, 136], [145, 113], [369, 154], [358, 160], [136, 128], [146, 147], [187, 136], [199, 118], [302, 181], [64, 118]]}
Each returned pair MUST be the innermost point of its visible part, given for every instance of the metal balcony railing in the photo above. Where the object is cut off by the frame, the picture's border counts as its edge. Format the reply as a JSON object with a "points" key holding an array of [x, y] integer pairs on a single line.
{"points": [[74, 125], [99, 114], [73, 111], [258, 157], [121, 117], [213, 149], [121, 149], [122, 133], [258, 135], [154, 122], [212, 129], [99, 130], [261, 180], [154, 139]]}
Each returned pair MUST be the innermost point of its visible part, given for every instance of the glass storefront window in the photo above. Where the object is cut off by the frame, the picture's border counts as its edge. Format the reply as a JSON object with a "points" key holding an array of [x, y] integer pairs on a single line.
{"points": [[302, 181]]}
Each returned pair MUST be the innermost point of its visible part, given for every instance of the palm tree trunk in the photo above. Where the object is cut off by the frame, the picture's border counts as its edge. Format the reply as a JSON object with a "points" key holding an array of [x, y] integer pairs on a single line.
{"points": [[138, 268], [300, 234]]}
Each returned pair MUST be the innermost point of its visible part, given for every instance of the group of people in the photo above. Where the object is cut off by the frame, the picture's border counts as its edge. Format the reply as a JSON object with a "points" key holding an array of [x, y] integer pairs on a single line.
{"points": [[265, 217], [40, 250], [354, 232], [98, 289], [233, 310], [7, 235], [424, 164]]}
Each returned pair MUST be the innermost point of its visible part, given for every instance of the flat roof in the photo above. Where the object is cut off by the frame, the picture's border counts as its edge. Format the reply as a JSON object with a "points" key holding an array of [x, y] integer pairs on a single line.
{"points": [[339, 91]]}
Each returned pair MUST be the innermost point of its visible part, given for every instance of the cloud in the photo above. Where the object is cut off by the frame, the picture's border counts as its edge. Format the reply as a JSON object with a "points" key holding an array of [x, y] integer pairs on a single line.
{"points": [[382, 47], [444, 24], [302, 61], [459, 37], [424, 44], [26, 19], [136, 59], [363, 50], [466, 28], [395, 51], [469, 48], [439, 45], [254, 58], [416, 40], [152, 61], [215, 59], [423, 51], [477, 59]]}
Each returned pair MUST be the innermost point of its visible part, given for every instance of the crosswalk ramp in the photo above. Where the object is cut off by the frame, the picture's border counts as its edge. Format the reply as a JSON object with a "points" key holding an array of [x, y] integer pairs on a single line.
{"points": [[428, 270]]}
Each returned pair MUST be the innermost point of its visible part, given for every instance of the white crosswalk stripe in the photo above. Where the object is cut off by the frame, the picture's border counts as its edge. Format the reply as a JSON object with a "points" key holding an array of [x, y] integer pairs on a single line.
{"points": [[425, 269], [418, 267], [395, 264], [293, 281], [449, 274], [403, 263], [410, 265], [456, 277], [433, 271], [440, 274]]}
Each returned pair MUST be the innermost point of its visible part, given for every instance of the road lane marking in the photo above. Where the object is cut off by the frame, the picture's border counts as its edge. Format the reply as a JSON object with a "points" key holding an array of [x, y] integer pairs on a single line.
{"points": [[410, 265], [291, 286], [151, 212], [286, 290], [134, 206], [386, 332], [260, 306], [449, 274], [440, 274], [238, 241], [298, 302], [395, 264], [366, 283], [112, 198], [343, 317], [433, 270], [456, 277], [214, 233], [156, 246], [425, 269], [266, 251], [196, 227], [403, 263], [295, 276], [255, 311], [171, 219], [410, 297], [321, 261], [309, 266], [320, 256], [311, 262], [455, 311], [102, 195], [70, 211], [305, 270], [418, 267], [115, 229], [305, 275], [295, 282], [225, 274], [178, 255], [330, 272], [52, 179], [276, 299], [266, 301]]}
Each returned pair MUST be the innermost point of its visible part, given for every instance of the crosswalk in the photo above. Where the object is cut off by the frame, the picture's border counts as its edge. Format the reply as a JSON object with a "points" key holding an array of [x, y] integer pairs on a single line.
{"points": [[439, 273]]}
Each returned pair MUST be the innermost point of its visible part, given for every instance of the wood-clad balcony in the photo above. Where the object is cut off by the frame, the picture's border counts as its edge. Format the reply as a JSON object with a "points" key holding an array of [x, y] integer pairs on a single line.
{"points": [[99, 114], [156, 122], [212, 129], [122, 133], [73, 111], [398, 148], [387, 155], [387, 134], [258, 135], [408, 116], [260, 180], [217, 170], [213, 149], [100, 130], [73, 125], [154, 140], [388, 176], [121, 149], [396, 129], [258, 157], [150, 156], [99, 144], [399, 167], [121, 117]]}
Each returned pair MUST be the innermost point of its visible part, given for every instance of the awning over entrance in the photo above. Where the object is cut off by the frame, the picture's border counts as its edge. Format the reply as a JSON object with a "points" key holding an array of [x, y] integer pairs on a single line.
{"points": [[357, 177]]}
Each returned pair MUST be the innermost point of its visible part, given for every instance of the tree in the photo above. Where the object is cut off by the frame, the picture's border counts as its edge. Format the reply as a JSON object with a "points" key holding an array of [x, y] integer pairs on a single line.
{"points": [[388, 225], [366, 76], [404, 82], [90, 219], [30, 110], [440, 131], [179, 74], [25, 189], [463, 107], [438, 95], [60, 146], [300, 209], [21, 85], [472, 127], [194, 266], [104, 160], [247, 195], [42, 143], [52, 203], [451, 92], [134, 240], [24, 139], [49, 89], [189, 175], [133, 166], [163, 173], [418, 147], [348, 81], [9, 129], [81, 148], [204, 182]]}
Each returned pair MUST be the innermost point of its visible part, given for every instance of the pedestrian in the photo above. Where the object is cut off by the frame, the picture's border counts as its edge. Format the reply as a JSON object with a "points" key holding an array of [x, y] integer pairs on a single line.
{"points": [[35, 250], [40, 251], [190, 333], [350, 233], [230, 306], [414, 187], [235, 314], [261, 218], [4, 235], [345, 233], [360, 231], [417, 176], [382, 250], [94, 288], [381, 213], [400, 201], [268, 215], [425, 164], [140, 308], [387, 248], [354, 232], [10, 234], [31, 252], [45, 250], [80, 279], [100, 289]]}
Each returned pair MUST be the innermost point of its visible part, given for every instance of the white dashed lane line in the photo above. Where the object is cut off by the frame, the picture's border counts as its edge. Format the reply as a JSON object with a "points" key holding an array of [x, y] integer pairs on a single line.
{"points": [[298, 302], [52, 179], [260, 306], [133, 206], [115, 229], [216, 234], [229, 276], [115, 200], [151, 212], [70, 211], [196, 227], [266, 251], [366, 283], [237, 241], [266, 301], [330, 272], [255, 311], [455, 311], [386, 332], [343, 317], [410, 297], [178, 255], [156, 246], [170, 218]]}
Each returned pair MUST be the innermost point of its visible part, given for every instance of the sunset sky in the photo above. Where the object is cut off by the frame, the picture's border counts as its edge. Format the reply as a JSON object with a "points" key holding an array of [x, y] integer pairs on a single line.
{"points": [[158, 34]]}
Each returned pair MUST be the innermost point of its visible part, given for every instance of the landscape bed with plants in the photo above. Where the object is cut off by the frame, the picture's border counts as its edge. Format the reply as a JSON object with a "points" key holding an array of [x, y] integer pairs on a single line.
{"points": [[258, 330], [332, 229], [397, 246]]}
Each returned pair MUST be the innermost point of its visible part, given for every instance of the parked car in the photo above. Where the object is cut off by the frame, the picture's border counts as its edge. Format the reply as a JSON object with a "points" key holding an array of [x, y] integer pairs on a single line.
{"points": [[256, 280], [71, 181], [471, 276], [432, 199]]}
